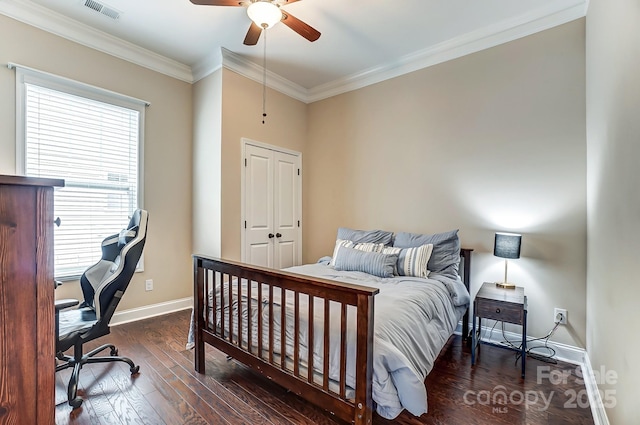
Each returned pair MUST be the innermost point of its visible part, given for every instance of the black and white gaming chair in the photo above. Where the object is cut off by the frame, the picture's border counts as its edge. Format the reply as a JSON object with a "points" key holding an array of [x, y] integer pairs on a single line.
{"points": [[103, 285]]}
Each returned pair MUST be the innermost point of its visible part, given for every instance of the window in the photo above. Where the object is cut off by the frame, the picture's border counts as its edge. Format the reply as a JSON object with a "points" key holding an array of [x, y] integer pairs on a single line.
{"points": [[92, 139]]}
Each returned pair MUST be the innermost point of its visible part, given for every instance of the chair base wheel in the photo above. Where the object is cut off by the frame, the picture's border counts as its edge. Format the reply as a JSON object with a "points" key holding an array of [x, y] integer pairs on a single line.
{"points": [[76, 402], [114, 352], [134, 370]]}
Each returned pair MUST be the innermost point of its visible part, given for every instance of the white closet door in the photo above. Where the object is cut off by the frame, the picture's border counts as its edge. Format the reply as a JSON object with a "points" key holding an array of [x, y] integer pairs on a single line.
{"points": [[259, 206], [272, 208], [286, 213]]}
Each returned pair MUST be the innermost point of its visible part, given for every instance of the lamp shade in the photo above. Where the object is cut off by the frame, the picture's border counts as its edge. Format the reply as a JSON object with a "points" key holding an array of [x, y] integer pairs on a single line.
{"points": [[507, 245], [265, 14]]}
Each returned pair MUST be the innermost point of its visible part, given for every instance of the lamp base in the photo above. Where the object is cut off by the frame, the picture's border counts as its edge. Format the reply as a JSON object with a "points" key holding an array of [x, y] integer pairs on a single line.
{"points": [[506, 285]]}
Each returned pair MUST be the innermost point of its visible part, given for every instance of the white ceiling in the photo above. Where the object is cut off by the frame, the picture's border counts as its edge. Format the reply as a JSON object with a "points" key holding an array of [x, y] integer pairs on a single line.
{"points": [[363, 41]]}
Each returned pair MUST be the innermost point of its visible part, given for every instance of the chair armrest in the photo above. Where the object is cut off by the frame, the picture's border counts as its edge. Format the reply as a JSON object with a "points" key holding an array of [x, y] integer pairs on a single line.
{"points": [[66, 303]]}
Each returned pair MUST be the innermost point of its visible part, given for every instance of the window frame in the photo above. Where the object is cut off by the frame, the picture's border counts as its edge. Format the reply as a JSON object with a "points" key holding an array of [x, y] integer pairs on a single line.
{"points": [[26, 75]]}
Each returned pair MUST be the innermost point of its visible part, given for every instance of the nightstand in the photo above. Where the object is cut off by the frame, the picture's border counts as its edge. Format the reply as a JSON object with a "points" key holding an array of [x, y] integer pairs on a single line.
{"points": [[504, 305]]}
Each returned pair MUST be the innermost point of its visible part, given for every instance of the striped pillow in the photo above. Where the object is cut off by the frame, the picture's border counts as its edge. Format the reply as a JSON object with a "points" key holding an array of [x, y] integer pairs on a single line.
{"points": [[366, 247], [373, 263], [411, 261]]}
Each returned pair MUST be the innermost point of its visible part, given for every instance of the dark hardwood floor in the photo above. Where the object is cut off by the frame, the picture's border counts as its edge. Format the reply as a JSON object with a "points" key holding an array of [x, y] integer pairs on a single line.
{"points": [[168, 390]]}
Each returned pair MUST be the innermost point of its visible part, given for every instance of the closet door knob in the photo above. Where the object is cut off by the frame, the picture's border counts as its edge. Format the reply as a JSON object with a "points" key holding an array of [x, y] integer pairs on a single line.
{"points": [[57, 221], [278, 235], [270, 235]]}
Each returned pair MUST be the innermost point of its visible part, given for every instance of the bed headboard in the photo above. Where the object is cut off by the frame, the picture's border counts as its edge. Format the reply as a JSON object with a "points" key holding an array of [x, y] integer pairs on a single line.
{"points": [[465, 274], [465, 266]]}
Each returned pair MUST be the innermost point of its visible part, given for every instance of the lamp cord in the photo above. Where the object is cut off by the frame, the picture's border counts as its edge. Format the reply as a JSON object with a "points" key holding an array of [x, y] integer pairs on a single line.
{"points": [[548, 358]]}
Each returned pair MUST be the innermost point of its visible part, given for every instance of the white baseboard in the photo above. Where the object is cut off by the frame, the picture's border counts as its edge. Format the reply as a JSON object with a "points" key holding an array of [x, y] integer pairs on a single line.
{"points": [[595, 400], [565, 353], [152, 310]]}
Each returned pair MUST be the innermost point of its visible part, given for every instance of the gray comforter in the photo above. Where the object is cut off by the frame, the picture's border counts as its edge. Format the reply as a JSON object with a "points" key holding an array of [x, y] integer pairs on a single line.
{"points": [[414, 318]]}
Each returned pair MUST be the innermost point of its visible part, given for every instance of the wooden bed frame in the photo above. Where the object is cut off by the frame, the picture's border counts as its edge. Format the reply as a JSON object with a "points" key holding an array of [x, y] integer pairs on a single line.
{"points": [[210, 273]]}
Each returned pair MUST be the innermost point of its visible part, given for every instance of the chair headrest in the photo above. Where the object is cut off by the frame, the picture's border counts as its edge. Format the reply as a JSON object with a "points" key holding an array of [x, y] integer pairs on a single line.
{"points": [[132, 229], [136, 217], [127, 236]]}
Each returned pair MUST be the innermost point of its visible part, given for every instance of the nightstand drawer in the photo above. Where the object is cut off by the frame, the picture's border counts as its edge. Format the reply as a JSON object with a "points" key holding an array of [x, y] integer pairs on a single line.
{"points": [[500, 310]]}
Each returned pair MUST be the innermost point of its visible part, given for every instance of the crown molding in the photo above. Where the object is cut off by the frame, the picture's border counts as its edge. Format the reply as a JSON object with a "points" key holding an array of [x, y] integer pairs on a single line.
{"points": [[561, 12], [207, 66], [491, 36], [58, 24], [254, 72]]}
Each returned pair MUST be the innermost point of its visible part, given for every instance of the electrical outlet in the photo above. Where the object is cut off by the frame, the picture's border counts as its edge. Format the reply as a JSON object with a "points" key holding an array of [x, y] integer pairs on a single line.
{"points": [[560, 316], [148, 285]]}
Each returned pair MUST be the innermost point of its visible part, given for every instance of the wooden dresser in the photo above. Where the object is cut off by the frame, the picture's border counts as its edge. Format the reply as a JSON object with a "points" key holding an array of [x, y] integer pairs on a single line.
{"points": [[27, 339]]}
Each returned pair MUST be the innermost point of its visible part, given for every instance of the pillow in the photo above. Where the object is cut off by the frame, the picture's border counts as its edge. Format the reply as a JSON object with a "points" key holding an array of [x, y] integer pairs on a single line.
{"points": [[411, 261], [370, 236], [367, 247], [374, 263], [445, 257]]}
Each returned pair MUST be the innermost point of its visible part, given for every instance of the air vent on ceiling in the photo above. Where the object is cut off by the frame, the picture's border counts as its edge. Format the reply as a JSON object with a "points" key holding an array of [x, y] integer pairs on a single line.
{"points": [[102, 8]]}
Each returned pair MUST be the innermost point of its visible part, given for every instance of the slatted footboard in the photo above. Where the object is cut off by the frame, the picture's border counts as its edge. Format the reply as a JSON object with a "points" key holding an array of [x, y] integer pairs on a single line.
{"points": [[243, 311]]}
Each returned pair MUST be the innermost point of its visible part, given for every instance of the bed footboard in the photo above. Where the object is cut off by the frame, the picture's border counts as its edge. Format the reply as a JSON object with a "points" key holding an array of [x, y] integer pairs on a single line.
{"points": [[245, 311]]}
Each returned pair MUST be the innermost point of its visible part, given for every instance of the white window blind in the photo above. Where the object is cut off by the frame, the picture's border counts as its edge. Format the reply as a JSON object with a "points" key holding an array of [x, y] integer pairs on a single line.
{"points": [[95, 147]]}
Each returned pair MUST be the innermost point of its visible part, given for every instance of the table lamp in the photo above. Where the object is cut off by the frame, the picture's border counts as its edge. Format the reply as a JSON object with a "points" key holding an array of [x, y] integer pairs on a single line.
{"points": [[507, 245]]}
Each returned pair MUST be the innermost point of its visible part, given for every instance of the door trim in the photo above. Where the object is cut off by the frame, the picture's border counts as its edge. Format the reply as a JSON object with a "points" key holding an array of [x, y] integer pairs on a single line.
{"points": [[244, 142]]}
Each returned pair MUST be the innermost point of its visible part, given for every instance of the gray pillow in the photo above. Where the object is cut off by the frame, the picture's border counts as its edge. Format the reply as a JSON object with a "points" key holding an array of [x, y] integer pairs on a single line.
{"points": [[445, 257], [374, 263], [360, 236]]}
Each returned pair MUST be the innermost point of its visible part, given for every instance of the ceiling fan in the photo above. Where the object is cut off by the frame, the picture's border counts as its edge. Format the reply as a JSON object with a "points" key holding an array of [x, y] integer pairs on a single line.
{"points": [[265, 14]]}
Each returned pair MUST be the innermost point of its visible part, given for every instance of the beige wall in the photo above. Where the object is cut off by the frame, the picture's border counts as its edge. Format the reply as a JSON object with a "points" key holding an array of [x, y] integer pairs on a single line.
{"points": [[207, 160], [167, 150], [488, 142], [285, 126], [613, 150]]}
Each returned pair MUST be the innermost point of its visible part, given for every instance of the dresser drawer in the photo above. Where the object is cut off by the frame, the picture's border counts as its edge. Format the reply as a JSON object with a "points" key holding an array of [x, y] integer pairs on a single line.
{"points": [[500, 310]]}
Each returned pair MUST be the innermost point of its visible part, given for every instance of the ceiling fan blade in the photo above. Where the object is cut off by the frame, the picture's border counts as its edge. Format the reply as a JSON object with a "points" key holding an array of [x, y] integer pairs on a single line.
{"points": [[300, 27], [217, 2], [251, 39]]}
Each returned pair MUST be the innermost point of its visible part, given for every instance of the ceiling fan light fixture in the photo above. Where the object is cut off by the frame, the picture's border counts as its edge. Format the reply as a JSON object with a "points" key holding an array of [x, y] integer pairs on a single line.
{"points": [[264, 13]]}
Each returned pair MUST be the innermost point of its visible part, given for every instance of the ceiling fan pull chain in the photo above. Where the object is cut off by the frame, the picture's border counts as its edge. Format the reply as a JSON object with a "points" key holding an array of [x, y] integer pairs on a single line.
{"points": [[264, 77]]}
